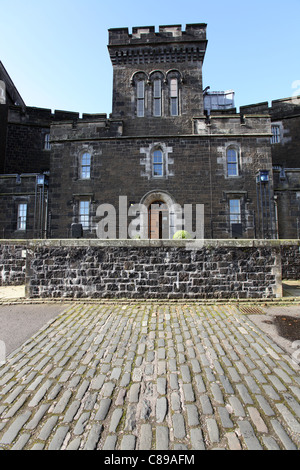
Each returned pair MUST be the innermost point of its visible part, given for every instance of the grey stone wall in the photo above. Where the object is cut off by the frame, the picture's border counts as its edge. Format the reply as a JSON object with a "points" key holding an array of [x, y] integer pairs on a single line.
{"points": [[290, 254], [141, 269], [12, 264]]}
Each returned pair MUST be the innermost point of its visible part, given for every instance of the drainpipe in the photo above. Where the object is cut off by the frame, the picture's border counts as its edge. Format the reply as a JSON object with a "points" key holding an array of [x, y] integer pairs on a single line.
{"points": [[210, 182], [276, 216]]}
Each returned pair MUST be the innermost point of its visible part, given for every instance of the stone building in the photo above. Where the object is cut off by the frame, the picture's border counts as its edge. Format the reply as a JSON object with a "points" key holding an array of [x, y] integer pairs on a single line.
{"points": [[168, 143]]}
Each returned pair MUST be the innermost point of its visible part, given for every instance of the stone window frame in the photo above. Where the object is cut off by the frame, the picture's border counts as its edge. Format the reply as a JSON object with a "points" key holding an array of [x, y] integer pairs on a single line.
{"points": [[235, 217], [174, 74], [237, 148], [83, 150], [84, 218], [154, 163], [22, 219], [137, 78], [77, 199], [147, 161], [148, 98], [85, 166], [242, 196], [276, 128], [46, 143], [157, 76]]}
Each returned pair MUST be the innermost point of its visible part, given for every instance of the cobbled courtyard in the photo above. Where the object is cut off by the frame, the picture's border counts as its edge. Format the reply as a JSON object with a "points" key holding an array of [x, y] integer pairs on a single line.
{"points": [[150, 376]]}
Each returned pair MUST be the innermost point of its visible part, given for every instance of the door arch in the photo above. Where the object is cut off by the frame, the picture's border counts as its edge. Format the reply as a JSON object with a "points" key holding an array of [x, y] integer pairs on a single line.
{"points": [[159, 223]]}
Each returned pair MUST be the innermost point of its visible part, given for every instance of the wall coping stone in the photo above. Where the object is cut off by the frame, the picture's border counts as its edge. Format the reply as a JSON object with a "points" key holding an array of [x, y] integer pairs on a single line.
{"points": [[189, 244]]}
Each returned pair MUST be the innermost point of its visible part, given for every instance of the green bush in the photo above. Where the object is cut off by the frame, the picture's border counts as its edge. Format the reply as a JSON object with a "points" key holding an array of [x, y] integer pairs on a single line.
{"points": [[181, 234]]}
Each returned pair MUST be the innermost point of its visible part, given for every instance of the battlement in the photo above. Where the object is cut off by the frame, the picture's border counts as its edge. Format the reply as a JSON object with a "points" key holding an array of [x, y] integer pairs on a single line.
{"points": [[169, 33]]}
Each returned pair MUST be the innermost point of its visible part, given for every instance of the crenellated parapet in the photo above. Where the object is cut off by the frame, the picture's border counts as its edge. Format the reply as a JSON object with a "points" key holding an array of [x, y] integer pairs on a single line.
{"points": [[169, 44], [233, 124], [90, 126]]}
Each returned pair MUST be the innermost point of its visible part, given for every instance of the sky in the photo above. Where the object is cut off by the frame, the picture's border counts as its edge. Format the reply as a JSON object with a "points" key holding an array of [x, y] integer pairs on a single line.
{"points": [[56, 52]]}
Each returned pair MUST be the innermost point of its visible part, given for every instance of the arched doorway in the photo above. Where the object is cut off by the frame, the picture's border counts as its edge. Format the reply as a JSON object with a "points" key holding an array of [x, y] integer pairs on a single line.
{"points": [[159, 223]]}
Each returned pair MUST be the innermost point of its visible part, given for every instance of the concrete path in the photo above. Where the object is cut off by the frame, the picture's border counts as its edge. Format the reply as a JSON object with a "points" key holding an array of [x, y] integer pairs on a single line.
{"points": [[20, 321], [150, 376], [291, 288], [12, 292]]}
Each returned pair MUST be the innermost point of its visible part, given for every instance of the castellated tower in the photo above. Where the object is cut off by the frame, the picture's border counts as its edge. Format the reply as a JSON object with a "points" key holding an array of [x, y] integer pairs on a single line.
{"points": [[157, 77]]}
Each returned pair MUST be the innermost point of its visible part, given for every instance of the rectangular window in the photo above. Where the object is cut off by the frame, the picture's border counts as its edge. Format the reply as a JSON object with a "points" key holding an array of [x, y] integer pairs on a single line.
{"points": [[174, 97], [85, 173], [157, 97], [141, 98], [22, 217], [235, 211], [84, 214], [47, 145], [275, 139]]}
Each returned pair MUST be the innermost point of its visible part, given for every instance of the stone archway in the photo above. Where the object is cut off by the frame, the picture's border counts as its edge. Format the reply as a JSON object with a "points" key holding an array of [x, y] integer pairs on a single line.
{"points": [[159, 223]]}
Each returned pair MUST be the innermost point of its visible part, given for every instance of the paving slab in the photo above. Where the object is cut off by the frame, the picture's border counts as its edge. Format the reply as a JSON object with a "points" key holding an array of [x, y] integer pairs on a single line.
{"points": [[156, 376]]}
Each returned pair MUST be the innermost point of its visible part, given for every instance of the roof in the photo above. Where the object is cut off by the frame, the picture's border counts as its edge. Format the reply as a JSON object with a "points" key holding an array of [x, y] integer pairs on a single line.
{"points": [[13, 97]]}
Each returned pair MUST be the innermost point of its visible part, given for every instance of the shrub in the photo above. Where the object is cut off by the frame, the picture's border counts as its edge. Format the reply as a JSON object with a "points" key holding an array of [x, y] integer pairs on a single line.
{"points": [[181, 234]]}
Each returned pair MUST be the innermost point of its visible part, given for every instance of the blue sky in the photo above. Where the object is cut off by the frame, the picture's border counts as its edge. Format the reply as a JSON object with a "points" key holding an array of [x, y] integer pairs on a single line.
{"points": [[56, 51]]}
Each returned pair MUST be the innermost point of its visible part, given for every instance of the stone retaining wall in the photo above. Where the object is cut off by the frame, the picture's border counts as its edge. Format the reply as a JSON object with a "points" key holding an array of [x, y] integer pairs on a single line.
{"points": [[154, 269], [12, 263], [157, 269], [290, 254]]}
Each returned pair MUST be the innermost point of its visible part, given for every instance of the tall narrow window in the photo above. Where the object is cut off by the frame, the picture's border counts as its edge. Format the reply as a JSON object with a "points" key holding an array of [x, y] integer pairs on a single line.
{"points": [[22, 217], [140, 98], [47, 145], [158, 167], [157, 97], [84, 214], [275, 139], [85, 167], [235, 211], [174, 96], [232, 163]]}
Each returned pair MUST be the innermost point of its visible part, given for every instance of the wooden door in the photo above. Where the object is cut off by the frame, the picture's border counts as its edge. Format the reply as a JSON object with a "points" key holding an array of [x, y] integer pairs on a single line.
{"points": [[158, 221]]}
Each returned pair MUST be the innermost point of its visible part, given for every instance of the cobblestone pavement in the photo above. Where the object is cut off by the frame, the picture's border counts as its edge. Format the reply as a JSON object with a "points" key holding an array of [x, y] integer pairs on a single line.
{"points": [[147, 376]]}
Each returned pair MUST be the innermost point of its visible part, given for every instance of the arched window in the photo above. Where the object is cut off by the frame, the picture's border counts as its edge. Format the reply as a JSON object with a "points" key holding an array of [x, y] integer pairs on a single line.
{"points": [[158, 163], [174, 97], [157, 97], [140, 96], [85, 166], [232, 162]]}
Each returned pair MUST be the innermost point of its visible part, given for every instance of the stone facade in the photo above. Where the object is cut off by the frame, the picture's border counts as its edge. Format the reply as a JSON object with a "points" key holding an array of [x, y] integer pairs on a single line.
{"points": [[286, 164], [196, 173], [25, 163], [160, 145], [285, 151], [149, 117]]}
